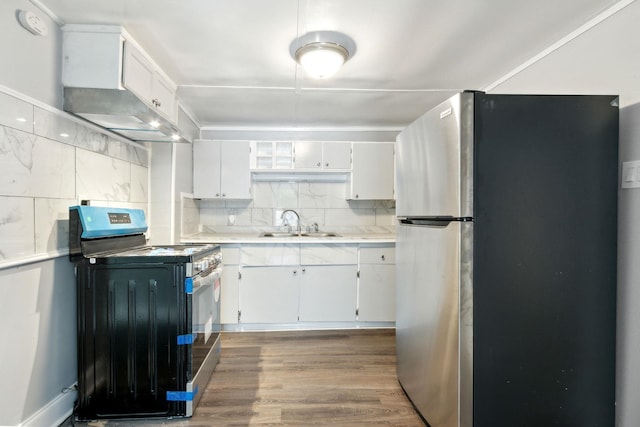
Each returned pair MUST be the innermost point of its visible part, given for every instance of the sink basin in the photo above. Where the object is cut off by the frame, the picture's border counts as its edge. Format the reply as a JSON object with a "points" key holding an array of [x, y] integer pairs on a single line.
{"points": [[278, 234], [286, 234]]}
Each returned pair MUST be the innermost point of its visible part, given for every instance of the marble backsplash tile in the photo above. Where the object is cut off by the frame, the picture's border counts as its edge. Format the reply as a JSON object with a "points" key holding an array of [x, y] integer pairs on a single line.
{"points": [[63, 129], [190, 215], [139, 184], [49, 161], [16, 227], [16, 113], [93, 168], [52, 224], [34, 166], [321, 203]]}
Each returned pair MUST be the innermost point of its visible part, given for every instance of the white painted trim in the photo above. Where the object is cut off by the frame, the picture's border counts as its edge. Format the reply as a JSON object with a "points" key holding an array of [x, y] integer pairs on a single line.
{"points": [[560, 43], [56, 411], [303, 129], [317, 89], [17, 262], [47, 11], [305, 326]]}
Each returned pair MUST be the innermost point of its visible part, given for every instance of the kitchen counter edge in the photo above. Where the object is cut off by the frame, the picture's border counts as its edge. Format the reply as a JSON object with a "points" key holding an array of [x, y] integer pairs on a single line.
{"points": [[223, 238]]}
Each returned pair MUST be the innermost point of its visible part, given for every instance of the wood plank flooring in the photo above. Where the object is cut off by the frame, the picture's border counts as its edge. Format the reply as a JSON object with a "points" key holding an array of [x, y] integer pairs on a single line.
{"points": [[302, 378]]}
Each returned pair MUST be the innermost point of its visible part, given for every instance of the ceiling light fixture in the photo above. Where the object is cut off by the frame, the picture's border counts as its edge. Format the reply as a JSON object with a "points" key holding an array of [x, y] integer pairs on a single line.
{"points": [[322, 53]]}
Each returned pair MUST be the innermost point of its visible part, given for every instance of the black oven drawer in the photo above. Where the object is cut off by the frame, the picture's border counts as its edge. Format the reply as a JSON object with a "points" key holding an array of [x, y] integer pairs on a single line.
{"points": [[130, 362]]}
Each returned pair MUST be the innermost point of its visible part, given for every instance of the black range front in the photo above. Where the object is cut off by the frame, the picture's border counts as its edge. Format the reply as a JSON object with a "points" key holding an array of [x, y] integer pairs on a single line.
{"points": [[148, 321]]}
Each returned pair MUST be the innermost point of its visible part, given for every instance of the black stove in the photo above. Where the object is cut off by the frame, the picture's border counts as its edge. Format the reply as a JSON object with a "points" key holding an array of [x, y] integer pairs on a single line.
{"points": [[148, 317]]}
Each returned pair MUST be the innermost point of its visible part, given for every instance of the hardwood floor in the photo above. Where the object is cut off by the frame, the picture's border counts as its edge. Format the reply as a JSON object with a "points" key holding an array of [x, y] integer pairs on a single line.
{"points": [[322, 378]]}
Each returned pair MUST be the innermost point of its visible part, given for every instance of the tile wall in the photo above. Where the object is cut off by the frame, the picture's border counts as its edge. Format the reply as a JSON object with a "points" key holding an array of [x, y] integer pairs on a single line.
{"points": [[317, 202], [49, 162]]}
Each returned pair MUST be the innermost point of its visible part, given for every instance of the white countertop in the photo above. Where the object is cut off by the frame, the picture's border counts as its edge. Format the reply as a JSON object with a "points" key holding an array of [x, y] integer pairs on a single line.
{"points": [[254, 238]]}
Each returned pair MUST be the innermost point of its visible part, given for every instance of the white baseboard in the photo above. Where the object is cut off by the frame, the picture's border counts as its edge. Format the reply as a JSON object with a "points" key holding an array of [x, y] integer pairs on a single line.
{"points": [[55, 412]]}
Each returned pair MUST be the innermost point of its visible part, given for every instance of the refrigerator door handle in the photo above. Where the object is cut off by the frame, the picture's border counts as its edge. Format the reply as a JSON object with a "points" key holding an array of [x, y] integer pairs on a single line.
{"points": [[439, 221]]}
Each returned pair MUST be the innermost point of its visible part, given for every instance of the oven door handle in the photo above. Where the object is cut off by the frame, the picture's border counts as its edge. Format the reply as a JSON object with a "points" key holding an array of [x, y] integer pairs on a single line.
{"points": [[201, 281]]}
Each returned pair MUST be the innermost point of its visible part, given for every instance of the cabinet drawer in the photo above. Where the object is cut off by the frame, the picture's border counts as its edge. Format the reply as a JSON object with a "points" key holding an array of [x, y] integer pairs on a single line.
{"points": [[382, 255], [328, 254], [270, 255]]}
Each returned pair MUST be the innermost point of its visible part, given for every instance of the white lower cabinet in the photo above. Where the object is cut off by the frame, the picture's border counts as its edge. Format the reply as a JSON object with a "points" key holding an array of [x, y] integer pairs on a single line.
{"points": [[269, 294], [328, 293], [306, 283], [328, 285], [376, 284]]}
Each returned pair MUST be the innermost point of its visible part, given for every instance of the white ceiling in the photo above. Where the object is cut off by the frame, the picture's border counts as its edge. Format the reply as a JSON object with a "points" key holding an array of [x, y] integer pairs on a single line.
{"points": [[230, 58]]}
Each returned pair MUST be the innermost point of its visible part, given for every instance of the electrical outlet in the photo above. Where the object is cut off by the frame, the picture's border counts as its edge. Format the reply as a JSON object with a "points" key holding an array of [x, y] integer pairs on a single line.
{"points": [[630, 176]]}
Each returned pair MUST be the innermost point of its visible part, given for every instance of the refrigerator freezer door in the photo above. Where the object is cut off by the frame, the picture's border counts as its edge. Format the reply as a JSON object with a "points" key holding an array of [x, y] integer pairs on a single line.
{"points": [[434, 161], [428, 334]]}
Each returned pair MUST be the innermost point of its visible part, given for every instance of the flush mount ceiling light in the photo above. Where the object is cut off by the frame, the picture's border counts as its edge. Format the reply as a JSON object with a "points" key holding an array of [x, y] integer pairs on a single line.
{"points": [[322, 53]]}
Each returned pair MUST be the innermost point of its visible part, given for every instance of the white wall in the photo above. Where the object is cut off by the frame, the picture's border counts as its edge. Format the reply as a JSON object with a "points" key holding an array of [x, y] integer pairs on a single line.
{"points": [[161, 196], [35, 64], [605, 59], [48, 161], [628, 361], [170, 176], [602, 59]]}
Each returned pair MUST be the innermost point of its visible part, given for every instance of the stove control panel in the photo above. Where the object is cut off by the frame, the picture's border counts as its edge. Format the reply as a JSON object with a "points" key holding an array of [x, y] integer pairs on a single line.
{"points": [[207, 264], [98, 221]]}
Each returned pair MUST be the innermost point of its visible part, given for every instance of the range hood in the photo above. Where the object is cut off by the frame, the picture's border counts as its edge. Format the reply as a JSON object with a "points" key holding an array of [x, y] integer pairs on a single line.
{"points": [[121, 112]]}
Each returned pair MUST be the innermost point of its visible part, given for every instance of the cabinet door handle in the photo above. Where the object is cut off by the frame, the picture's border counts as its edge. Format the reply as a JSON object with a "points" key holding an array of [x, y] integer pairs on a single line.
{"points": [[295, 272], [326, 165], [217, 194], [382, 257], [319, 164], [304, 270], [224, 194]]}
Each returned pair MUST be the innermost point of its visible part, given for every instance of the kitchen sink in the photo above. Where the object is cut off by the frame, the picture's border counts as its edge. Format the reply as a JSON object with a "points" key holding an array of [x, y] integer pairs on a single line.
{"points": [[278, 234], [286, 234]]}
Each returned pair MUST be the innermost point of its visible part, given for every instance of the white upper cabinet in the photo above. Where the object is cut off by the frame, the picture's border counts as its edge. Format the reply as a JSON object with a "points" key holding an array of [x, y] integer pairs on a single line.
{"points": [[107, 57], [221, 170], [312, 155], [269, 155], [372, 171], [308, 155], [92, 56], [142, 77], [336, 155]]}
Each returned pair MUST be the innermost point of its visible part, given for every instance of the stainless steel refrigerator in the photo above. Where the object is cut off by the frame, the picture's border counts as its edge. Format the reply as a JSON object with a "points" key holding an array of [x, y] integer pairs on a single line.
{"points": [[506, 260]]}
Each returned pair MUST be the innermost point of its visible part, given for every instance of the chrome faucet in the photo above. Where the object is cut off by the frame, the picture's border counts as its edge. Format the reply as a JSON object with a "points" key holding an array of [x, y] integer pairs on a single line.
{"points": [[298, 225]]}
